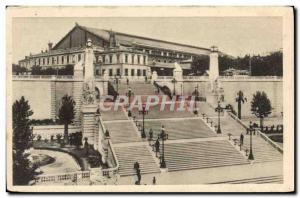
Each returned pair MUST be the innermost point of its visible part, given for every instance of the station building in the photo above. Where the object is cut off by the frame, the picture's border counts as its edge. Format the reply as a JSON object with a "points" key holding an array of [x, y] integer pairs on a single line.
{"points": [[118, 53]]}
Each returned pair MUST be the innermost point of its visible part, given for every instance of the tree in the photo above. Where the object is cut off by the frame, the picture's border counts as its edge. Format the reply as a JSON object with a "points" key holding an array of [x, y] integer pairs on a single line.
{"points": [[200, 65], [261, 106], [22, 140], [240, 99], [66, 114]]}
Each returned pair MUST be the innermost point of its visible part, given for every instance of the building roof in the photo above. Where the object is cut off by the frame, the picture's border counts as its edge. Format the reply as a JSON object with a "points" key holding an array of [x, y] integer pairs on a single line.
{"points": [[129, 39]]}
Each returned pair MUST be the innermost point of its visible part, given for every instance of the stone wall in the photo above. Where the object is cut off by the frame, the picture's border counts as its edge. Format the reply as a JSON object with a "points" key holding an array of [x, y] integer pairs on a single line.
{"points": [[273, 89], [38, 93]]}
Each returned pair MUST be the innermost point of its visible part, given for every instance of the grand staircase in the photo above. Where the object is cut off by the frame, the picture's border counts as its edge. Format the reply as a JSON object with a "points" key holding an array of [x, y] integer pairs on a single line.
{"points": [[138, 88], [122, 132], [203, 154], [262, 150], [180, 129], [127, 156], [276, 179]]}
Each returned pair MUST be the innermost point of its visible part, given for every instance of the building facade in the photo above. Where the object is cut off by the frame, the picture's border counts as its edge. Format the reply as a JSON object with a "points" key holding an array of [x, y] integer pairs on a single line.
{"points": [[117, 53]]}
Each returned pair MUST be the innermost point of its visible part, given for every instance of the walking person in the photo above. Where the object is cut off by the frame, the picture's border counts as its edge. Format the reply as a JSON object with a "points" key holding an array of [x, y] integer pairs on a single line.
{"points": [[156, 147], [154, 181], [127, 81], [150, 134], [242, 139]]}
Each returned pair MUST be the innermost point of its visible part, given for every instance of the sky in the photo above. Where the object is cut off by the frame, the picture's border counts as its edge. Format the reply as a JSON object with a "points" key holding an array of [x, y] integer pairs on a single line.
{"points": [[235, 36]]}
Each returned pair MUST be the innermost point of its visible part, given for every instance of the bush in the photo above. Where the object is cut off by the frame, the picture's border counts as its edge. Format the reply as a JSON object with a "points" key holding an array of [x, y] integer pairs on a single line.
{"points": [[58, 137], [43, 122], [39, 138]]}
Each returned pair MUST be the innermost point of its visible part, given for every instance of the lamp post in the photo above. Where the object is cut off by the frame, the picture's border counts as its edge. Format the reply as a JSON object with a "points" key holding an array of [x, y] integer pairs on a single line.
{"points": [[174, 81], [219, 109], [143, 112], [117, 82], [196, 99], [163, 136], [129, 101], [251, 156]]}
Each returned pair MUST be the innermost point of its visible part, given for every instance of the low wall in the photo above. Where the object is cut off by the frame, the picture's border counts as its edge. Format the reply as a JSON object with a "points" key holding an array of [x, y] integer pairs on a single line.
{"points": [[48, 130]]}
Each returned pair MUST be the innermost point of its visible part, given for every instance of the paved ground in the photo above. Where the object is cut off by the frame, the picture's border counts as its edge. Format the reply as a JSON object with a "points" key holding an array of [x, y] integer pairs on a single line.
{"points": [[63, 162], [209, 175]]}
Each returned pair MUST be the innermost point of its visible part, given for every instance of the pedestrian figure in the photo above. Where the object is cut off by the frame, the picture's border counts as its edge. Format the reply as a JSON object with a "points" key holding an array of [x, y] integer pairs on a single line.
{"points": [[150, 134], [156, 147], [127, 81], [146, 78], [154, 181], [242, 139]]}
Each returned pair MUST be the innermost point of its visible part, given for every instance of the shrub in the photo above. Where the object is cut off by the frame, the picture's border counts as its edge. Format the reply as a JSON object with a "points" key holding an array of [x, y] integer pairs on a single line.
{"points": [[39, 138]]}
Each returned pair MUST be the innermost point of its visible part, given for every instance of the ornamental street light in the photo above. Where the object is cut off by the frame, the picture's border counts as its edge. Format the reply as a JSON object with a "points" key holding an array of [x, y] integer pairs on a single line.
{"points": [[196, 99], [143, 112], [251, 129], [219, 109], [174, 81], [163, 136], [117, 82], [129, 94]]}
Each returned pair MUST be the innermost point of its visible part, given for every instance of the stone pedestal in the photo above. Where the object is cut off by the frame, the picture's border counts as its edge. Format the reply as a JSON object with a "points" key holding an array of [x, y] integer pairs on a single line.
{"points": [[88, 123]]}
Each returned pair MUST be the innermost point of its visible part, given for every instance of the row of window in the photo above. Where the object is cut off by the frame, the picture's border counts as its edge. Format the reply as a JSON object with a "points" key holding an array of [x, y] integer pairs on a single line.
{"points": [[139, 59], [56, 60], [169, 54], [133, 72]]}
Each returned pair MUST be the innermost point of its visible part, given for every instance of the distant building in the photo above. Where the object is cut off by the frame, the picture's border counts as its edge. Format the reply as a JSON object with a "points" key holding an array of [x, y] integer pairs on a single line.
{"points": [[117, 53]]}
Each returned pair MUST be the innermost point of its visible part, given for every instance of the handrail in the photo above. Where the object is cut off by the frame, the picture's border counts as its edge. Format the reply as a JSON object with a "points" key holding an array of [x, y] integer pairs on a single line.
{"points": [[114, 169], [266, 138], [251, 77], [43, 76]]}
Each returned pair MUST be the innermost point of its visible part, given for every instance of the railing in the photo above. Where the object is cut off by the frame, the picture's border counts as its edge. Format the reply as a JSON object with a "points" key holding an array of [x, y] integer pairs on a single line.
{"points": [[165, 77], [195, 77], [251, 77], [72, 176], [43, 77], [266, 138], [113, 170]]}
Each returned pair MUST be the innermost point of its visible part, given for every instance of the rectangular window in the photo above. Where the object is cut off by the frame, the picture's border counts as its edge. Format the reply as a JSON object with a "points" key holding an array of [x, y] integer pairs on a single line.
{"points": [[139, 57], [126, 72], [110, 72], [126, 58], [68, 59], [48, 61], [144, 60], [144, 72], [118, 72], [79, 57], [132, 72], [103, 71], [118, 58], [132, 58], [62, 59], [53, 61], [138, 72], [110, 58], [43, 61]]}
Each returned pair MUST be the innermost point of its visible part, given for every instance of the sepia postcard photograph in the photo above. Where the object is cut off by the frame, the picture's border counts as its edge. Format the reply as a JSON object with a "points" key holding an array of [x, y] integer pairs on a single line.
{"points": [[150, 99]]}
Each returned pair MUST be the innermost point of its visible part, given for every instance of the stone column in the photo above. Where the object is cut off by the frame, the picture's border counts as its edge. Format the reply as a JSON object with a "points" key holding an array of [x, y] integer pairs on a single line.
{"points": [[153, 77], [177, 75], [214, 64], [53, 99], [77, 91], [89, 123]]}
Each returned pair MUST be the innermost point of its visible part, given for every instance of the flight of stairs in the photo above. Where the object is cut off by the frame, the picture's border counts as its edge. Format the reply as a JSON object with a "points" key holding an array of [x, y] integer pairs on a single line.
{"points": [[122, 132], [119, 114], [180, 129], [276, 179], [138, 88], [204, 154], [127, 156], [262, 150]]}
